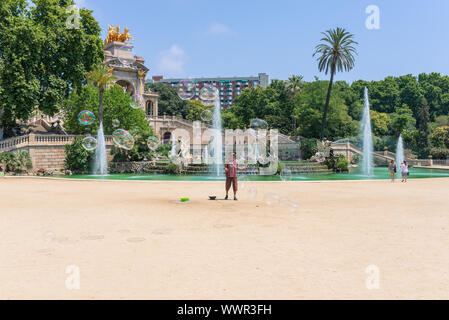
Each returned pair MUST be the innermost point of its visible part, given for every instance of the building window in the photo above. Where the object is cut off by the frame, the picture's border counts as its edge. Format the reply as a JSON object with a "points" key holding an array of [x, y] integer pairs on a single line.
{"points": [[150, 108]]}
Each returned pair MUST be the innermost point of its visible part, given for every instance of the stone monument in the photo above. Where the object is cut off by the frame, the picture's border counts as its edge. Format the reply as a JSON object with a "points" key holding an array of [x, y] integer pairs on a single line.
{"points": [[129, 70]]}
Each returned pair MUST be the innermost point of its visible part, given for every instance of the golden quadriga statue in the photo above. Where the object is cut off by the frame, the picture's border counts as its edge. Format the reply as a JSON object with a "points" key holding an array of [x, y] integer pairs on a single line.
{"points": [[115, 35]]}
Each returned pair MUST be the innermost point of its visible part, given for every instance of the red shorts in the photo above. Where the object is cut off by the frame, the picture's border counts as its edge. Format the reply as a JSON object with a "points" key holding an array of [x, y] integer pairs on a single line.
{"points": [[233, 181]]}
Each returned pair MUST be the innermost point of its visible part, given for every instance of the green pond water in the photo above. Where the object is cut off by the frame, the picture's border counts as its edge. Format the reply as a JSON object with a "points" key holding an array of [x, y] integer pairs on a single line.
{"points": [[379, 174]]}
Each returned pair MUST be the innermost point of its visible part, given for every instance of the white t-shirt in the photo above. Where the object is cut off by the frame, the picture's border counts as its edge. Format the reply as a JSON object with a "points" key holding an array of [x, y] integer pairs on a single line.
{"points": [[404, 168]]}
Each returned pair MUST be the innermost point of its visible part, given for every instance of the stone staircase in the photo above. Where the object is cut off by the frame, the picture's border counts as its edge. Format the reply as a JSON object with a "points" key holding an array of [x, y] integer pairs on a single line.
{"points": [[306, 167]]}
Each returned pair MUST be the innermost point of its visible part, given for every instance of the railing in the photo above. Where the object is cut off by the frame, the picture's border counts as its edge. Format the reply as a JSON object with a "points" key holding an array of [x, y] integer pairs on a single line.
{"points": [[443, 163], [30, 140], [14, 143]]}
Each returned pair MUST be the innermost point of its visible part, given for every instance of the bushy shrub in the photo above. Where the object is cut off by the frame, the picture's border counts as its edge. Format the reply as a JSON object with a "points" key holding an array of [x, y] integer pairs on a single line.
{"points": [[342, 163], [17, 162], [356, 158], [172, 168], [7, 161], [164, 150], [22, 161], [139, 151], [439, 153], [440, 137], [309, 147], [77, 158], [280, 167]]}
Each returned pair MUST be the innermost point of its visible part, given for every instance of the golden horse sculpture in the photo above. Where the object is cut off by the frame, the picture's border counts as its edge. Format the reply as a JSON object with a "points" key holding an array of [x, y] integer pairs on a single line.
{"points": [[115, 35]]}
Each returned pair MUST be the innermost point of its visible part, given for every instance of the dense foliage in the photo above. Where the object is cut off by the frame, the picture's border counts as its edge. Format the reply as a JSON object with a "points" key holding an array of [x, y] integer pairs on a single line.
{"points": [[139, 151], [116, 104], [169, 101], [17, 162], [77, 159], [417, 107], [41, 59]]}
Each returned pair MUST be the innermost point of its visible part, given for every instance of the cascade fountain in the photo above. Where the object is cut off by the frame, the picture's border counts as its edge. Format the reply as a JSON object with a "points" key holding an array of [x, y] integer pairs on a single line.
{"points": [[367, 161], [399, 152], [217, 144], [100, 163]]}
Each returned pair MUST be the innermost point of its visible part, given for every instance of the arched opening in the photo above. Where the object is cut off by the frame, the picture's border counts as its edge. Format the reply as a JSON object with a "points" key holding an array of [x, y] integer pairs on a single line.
{"points": [[150, 108], [126, 86], [166, 138]]}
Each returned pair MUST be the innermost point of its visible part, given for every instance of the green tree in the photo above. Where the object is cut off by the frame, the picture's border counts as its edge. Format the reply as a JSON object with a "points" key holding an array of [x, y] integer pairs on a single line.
{"points": [[336, 53], [169, 101], [270, 104], [402, 119], [422, 125], [308, 112], [77, 158], [116, 105], [41, 60], [440, 137], [380, 122], [442, 121], [100, 77], [196, 108], [139, 151]]}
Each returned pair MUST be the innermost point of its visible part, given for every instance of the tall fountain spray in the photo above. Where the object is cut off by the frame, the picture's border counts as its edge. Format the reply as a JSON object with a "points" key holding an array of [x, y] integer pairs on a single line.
{"points": [[206, 155], [101, 163], [400, 152], [217, 144], [367, 161]]}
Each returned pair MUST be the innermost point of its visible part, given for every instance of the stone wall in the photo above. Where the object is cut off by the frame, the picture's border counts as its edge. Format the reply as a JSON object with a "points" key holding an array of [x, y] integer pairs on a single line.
{"points": [[48, 158], [46, 151]]}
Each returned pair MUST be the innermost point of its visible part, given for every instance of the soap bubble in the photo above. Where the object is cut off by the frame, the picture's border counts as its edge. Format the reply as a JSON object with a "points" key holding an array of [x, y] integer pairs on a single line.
{"points": [[208, 92], [153, 143], [271, 198], [241, 163], [86, 118], [137, 101], [123, 139], [126, 48], [134, 105], [116, 123], [89, 143], [252, 193], [186, 89], [258, 124], [263, 160], [286, 174], [207, 115], [293, 206]]}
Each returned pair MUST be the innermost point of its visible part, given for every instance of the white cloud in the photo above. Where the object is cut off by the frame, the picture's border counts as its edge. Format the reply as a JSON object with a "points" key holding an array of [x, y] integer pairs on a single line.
{"points": [[171, 62], [218, 29]]}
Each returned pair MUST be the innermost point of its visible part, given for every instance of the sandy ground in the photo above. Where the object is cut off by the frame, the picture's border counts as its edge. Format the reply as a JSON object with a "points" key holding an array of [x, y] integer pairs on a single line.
{"points": [[130, 240]]}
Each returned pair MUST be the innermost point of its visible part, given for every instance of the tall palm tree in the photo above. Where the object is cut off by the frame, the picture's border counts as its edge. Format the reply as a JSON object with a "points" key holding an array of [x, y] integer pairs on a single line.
{"points": [[336, 53], [101, 77]]}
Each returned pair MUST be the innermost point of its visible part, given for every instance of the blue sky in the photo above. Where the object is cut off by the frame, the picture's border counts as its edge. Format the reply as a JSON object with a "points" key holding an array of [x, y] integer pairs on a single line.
{"points": [[195, 38]]}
